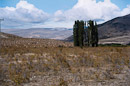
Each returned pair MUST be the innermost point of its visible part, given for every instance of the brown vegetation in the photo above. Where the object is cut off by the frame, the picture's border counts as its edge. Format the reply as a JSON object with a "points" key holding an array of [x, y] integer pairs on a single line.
{"points": [[27, 62]]}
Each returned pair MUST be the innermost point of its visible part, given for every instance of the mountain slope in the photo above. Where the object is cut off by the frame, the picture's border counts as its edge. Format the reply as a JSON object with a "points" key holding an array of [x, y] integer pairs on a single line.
{"points": [[5, 35], [116, 30], [119, 26]]}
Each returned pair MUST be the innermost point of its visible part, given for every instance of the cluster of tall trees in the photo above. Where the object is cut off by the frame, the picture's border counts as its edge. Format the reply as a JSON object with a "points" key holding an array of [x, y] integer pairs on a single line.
{"points": [[85, 35]]}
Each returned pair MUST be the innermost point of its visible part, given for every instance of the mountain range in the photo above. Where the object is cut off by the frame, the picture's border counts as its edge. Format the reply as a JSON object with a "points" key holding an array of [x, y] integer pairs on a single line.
{"points": [[116, 30], [47, 33]]}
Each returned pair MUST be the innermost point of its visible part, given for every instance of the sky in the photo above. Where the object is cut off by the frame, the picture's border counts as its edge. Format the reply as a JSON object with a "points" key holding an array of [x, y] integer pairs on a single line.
{"points": [[58, 13]]}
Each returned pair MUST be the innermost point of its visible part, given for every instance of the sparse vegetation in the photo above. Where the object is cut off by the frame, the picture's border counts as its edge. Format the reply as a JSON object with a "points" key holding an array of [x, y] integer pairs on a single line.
{"points": [[25, 62]]}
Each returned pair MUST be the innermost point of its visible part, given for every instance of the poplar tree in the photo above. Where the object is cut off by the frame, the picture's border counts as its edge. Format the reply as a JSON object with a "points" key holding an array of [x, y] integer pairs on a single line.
{"points": [[92, 33], [78, 32], [75, 34], [96, 35], [81, 34]]}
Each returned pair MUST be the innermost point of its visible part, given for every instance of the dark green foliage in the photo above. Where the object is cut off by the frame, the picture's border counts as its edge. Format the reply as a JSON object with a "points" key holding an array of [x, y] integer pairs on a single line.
{"points": [[75, 33], [113, 45], [96, 34], [81, 32], [92, 34], [83, 36], [78, 31]]}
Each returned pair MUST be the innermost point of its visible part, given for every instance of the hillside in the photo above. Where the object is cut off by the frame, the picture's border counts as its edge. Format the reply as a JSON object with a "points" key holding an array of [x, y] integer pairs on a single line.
{"points": [[117, 29], [5, 35], [119, 26]]}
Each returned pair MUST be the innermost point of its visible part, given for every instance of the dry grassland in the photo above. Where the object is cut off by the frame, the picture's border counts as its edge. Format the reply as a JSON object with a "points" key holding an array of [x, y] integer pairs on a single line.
{"points": [[44, 62]]}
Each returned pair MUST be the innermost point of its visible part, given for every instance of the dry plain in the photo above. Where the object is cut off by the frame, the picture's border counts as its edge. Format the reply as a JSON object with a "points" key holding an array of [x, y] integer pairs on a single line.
{"points": [[45, 62]]}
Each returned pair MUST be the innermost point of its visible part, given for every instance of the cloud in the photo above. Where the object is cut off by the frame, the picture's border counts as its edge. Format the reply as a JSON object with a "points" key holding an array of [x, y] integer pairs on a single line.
{"points": [[126, 10], [24, 14], [91, 9]]}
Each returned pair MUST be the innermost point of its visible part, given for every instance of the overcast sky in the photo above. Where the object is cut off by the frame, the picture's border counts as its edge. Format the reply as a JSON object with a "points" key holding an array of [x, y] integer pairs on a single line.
{"points": [[59, 13]]}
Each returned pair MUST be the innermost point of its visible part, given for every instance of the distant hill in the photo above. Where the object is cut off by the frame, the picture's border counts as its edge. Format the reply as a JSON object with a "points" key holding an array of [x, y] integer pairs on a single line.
{"points": [[116, 30], [119, 26], [47, 33], [5, 35], [69, 39]]}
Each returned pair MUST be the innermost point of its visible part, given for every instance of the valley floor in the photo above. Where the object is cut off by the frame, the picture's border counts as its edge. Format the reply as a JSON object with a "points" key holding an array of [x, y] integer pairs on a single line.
{"points": [[44, 62]]}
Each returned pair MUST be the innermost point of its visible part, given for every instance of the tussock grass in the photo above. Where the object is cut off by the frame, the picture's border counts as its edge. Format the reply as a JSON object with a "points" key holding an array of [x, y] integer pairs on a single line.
{"points": [[21, 63]]}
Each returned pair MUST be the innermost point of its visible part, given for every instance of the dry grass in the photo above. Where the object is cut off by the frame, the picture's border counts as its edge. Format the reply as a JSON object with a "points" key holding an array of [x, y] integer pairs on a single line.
{"points": [[23, 60]]}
